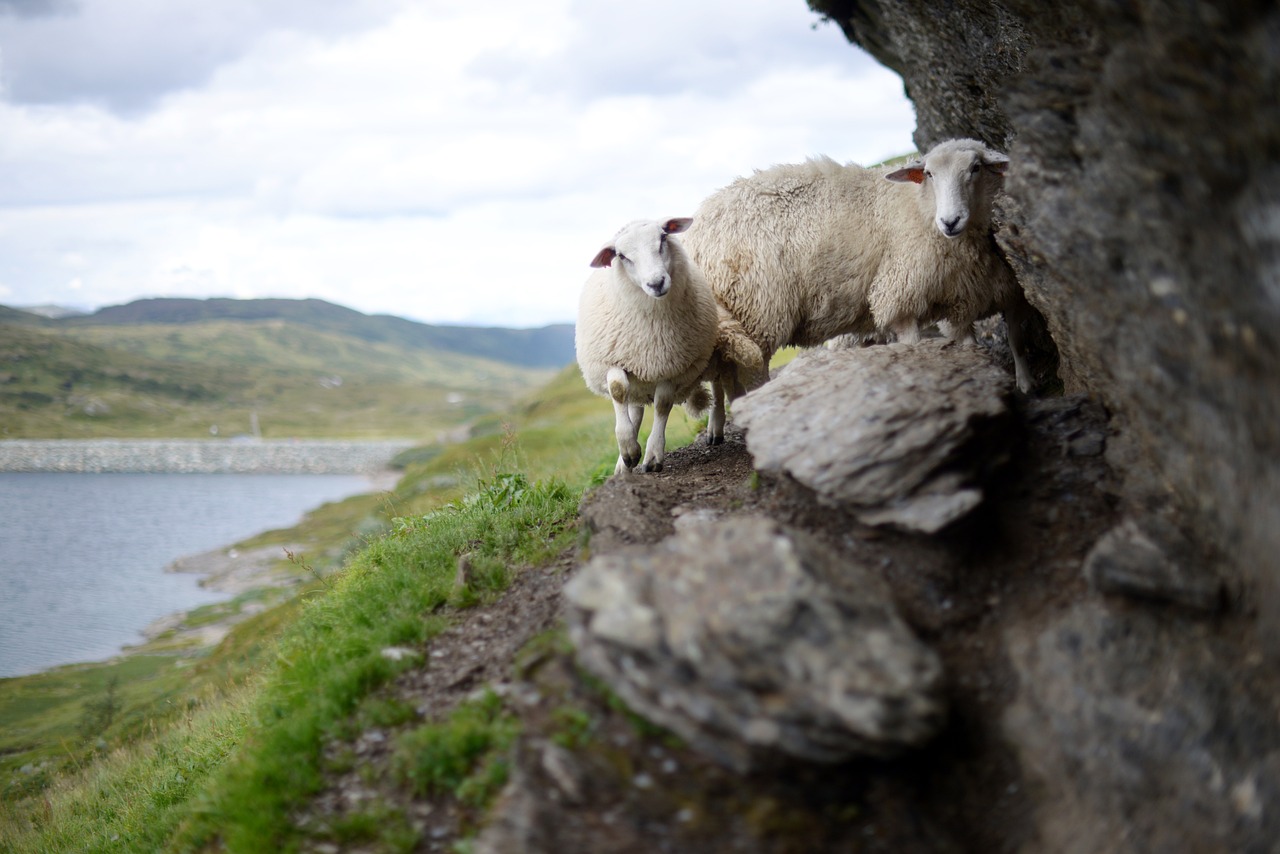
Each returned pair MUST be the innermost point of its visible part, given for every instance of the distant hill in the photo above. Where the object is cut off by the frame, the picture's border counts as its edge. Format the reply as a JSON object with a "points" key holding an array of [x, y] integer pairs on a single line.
{"points": [[544, 347], [302, 368], [21, 315]]}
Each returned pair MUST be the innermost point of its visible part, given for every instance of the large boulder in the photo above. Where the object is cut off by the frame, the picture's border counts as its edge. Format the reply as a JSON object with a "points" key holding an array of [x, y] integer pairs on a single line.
{"points": [[731, 634], [903, 435]]}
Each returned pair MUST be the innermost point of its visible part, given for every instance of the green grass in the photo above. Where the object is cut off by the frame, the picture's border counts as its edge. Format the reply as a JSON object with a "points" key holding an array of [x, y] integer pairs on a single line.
{"points": [[130, 800], [463, 755], [332, 657]]}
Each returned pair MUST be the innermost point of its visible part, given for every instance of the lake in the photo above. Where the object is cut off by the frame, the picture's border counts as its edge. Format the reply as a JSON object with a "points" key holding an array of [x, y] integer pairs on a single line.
{"points": [[82, 556]]}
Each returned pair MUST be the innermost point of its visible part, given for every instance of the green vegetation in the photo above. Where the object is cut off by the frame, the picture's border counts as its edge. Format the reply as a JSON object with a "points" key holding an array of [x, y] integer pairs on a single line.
{"points": [[214, 751], [387, 598], [464, 755]]}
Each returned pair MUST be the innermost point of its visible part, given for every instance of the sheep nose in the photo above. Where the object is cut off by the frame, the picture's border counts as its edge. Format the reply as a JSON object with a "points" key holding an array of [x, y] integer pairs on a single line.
{"points": [[950, 226]]}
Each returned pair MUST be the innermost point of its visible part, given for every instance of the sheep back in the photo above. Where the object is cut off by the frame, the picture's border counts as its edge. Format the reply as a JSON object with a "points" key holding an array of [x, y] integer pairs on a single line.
{"points": [[789, 252]]}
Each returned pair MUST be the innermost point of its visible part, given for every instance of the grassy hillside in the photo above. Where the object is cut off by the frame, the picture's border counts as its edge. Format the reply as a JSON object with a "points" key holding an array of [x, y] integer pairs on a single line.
{"points": [[187, 379], [213, 752]]}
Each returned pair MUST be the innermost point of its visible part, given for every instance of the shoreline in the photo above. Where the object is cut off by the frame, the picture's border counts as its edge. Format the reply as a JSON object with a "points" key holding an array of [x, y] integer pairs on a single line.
{"points": [[200, 456], [229, 570], [233, 571]]}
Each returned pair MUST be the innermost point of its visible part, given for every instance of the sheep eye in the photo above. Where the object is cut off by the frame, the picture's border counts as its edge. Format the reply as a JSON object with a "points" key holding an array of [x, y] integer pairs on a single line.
{"points": [[974, 168], [622, 257]]}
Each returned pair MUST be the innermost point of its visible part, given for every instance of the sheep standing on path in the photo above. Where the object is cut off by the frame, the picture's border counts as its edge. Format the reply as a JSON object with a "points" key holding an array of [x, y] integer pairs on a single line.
{"points": [[647, 327], [799, 254]]}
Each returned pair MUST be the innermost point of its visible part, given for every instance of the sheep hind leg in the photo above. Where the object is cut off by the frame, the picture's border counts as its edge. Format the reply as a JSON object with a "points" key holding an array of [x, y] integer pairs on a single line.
{"points": [[626, 424], [958, 333], [715, 421], [1016, 312], [656, 449]]}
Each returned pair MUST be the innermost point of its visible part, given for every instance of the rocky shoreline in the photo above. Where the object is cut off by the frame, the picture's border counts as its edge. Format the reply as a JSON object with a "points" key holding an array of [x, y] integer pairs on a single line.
{"points": [[199, 456]]}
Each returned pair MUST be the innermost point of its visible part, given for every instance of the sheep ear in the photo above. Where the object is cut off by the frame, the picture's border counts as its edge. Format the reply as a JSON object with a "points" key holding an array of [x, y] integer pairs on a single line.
{"points": [[995, 161], [604, 257], [913, 172], [678, 224]]}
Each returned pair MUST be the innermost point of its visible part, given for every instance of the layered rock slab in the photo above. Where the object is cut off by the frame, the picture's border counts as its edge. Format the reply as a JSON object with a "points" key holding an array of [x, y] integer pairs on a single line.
{"points": [[728, 634], [902, 434]]}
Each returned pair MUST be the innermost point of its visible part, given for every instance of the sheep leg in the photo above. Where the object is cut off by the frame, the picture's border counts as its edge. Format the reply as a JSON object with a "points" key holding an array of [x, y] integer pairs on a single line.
{"points": [[656, 449], [959, 333], [715, 422], [908, 331], [1016, 311], [626, 427]]}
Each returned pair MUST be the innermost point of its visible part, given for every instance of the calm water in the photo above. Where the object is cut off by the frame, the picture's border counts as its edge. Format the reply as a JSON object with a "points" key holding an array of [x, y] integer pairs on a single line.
{"points": [[82, 556]]}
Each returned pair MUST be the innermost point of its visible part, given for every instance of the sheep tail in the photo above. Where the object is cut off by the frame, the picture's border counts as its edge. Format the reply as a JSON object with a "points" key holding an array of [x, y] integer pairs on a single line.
{"points": [[698, 401]]}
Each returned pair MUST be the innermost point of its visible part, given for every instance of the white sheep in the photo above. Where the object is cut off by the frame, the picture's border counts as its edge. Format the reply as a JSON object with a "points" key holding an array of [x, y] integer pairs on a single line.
{"points": [[647, 328], [802, 253]]}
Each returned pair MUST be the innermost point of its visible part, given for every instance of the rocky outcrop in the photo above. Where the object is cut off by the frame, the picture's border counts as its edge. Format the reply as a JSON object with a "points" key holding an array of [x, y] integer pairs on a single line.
{"points": [[730, 634], [1094, 698], [904, 435], [1143, 218]]}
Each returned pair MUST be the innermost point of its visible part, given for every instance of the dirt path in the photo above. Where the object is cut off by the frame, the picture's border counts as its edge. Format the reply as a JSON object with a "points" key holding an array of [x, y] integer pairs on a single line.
{"points": [[624, 786]]}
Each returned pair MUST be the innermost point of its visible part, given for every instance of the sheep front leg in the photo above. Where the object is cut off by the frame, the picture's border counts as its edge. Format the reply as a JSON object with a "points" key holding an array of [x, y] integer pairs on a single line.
{"points": [[655, 450], [626, 428], [908, 331]]}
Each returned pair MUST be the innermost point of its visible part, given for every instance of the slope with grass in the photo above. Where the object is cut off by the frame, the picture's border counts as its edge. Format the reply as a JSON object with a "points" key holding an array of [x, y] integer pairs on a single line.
{"points": [[218, 750]]}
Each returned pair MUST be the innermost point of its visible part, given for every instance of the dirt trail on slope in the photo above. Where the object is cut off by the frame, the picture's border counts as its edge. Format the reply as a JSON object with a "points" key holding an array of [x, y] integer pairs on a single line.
{"points": [[588, 777]]}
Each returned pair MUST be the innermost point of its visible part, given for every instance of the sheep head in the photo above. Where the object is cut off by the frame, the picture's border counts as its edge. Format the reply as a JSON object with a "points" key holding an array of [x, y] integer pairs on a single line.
{"points": [[958, 179], [641, 250]]}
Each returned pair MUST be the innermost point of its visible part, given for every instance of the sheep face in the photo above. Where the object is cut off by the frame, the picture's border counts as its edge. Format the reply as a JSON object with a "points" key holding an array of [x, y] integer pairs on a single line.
{"points": [[640, 252], [958, 181]]}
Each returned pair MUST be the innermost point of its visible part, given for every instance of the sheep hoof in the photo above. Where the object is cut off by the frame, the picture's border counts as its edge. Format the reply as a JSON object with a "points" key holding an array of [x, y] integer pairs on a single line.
{"points": [[715, 440], [649, 467]]}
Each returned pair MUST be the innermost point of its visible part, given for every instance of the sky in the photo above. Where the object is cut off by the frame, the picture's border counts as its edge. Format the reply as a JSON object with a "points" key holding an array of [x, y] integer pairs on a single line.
{"points": [[449, 162]]}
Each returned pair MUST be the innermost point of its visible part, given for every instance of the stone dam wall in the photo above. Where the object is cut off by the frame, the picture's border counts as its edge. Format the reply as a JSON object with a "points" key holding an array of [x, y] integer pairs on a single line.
{"points": [[199, 456]]}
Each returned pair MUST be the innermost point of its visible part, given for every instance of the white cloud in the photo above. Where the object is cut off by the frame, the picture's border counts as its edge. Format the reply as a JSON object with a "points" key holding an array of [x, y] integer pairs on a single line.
{"points": [[437, 161]]}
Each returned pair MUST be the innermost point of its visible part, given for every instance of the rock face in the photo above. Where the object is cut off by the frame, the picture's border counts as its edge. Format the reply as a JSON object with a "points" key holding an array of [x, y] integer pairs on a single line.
{"points": [[1143, 219], [902, 434], [1144, 730], [729, 634]]}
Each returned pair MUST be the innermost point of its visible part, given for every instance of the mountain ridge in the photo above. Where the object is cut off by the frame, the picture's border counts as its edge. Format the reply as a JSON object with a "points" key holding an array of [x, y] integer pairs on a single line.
{"points": [[548, 346]]}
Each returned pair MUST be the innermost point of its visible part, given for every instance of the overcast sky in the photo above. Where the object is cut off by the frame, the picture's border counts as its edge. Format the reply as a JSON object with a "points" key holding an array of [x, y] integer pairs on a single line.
{"points": [[451, 162]]}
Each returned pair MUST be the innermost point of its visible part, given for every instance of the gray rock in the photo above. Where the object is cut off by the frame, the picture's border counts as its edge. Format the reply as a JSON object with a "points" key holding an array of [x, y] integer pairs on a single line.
{"points": [[1138, 735], [1142, 216], [901, 434], [1128, 562], [728, 635]]}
